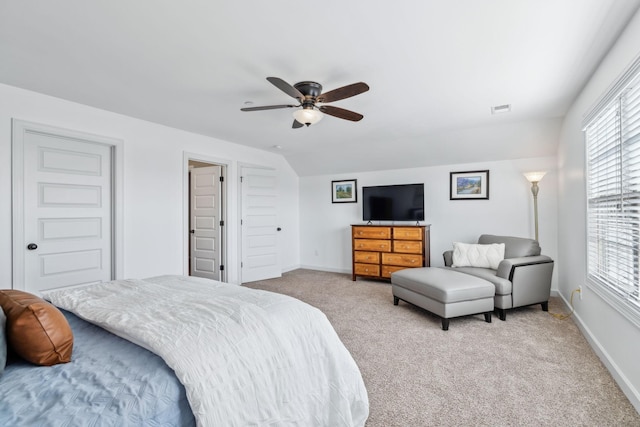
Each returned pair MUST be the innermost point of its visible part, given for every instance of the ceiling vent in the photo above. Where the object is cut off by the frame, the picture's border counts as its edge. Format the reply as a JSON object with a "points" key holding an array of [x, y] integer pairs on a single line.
{"points": [[499, 109]]}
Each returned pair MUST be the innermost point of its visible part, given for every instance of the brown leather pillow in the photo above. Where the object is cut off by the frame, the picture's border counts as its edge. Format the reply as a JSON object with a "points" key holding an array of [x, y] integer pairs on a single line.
{"points": [[36, 330]]}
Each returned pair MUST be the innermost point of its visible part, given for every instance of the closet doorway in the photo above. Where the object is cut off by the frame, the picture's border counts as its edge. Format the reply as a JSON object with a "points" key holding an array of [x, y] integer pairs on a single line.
{"points": [[206, 232]]}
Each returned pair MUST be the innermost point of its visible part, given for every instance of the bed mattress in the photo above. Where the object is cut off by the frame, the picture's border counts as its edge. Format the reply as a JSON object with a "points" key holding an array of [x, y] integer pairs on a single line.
{"points": [[244, 356]]}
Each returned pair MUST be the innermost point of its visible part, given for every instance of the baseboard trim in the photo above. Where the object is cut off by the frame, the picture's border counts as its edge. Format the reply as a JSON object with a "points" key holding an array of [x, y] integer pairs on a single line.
{"points": [[618, 376], [290, 268], [327, 269]]}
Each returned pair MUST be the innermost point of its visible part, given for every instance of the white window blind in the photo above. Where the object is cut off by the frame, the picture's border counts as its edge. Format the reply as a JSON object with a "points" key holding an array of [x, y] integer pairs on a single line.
{"points": [[613, 197]]}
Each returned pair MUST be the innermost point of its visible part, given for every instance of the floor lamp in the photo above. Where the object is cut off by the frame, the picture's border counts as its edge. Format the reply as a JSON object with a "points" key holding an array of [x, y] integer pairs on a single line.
{"points": [[534, 178]]}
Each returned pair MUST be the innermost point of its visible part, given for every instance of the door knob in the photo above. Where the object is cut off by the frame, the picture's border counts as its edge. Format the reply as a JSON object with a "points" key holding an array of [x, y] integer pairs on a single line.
{"points": [[32, 246], [278, 229]]}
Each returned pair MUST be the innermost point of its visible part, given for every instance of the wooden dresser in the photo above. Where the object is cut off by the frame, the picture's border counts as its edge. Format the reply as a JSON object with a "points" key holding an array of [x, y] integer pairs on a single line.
{"points": [[379, 250]]}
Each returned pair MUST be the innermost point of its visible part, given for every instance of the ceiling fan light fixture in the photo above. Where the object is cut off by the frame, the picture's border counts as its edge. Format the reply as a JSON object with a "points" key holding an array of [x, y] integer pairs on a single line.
{"points": [[307, 116], [309, 93]]}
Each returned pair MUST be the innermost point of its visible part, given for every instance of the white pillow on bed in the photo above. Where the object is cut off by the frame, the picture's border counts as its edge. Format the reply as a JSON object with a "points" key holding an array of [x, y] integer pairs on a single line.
{"points": [[474, 255]]}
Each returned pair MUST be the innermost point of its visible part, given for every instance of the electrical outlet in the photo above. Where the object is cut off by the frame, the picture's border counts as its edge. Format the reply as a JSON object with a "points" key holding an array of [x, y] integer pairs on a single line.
{"points": [[580, 292]]}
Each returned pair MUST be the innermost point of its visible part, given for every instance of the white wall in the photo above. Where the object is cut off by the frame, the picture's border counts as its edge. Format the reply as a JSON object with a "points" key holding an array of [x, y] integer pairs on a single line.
{"points": [[325, 232], [153, 182], [615, 339]]}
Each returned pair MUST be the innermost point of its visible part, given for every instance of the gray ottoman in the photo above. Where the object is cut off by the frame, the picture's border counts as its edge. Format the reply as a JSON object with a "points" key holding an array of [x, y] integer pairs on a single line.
{"points": [[444, 292]]}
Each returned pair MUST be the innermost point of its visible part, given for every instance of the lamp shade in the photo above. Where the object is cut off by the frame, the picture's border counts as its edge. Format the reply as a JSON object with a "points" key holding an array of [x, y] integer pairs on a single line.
{"points": [[534, 176], [307, 116]]}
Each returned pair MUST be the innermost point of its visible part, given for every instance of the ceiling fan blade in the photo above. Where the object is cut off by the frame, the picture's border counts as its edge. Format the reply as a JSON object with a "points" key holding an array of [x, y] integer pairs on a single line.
{"points": [[344, 92], [297, 124], [341, 113], [267, 107], [286, 88]]}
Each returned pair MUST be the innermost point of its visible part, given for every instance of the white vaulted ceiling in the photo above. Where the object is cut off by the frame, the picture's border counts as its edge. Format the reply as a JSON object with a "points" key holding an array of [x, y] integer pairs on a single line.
{"points": [[435, 69]]}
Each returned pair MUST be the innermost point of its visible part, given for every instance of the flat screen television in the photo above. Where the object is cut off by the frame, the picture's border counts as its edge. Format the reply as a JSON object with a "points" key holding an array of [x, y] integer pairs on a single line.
{"points": [[393, 203]]}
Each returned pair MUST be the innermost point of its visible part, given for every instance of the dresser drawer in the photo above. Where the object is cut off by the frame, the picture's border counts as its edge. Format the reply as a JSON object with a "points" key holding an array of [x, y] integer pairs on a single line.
{"points": [[407, 246], [367, 269], [372, 232], [380, 250], [372, 245], [407, 233], [388, 269], [402, 259], [367, 257]]}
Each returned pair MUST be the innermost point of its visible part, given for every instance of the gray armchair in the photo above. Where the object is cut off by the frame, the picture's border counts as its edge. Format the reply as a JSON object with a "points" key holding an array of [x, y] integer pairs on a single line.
{"points": [[522, 278]]}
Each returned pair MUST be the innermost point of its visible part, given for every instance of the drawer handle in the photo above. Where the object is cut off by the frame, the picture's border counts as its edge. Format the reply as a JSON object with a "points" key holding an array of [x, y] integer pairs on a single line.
{"points": [[413, 260]]}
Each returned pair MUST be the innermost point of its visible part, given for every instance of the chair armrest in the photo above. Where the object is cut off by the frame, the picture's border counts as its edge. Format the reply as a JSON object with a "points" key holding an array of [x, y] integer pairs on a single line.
{"points": [[448, 258], [507, 266], [530, 279]]}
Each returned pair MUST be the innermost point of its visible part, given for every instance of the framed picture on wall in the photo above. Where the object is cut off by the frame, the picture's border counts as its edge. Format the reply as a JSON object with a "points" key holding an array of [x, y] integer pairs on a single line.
{"points": [[345, 191], [471, 185]]}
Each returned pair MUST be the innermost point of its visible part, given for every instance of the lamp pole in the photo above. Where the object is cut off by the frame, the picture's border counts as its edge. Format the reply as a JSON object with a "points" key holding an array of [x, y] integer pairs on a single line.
{"points": [[534, 191], [534, 178]]}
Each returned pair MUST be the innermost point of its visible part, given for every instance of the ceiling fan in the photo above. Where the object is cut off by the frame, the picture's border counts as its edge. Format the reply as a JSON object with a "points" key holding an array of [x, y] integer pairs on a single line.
{"points": [[310, 93]]}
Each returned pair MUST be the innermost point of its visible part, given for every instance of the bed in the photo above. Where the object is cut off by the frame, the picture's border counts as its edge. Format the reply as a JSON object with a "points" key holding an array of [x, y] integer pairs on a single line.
{"points": [[181, 351]]}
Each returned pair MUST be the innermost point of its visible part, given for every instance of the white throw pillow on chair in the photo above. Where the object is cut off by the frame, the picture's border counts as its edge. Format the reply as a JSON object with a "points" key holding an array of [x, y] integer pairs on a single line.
{"points": [[474, 255]]}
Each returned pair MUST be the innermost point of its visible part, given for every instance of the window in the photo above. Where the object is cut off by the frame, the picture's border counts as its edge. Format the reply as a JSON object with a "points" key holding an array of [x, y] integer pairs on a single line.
{"points": [[613, 195]]}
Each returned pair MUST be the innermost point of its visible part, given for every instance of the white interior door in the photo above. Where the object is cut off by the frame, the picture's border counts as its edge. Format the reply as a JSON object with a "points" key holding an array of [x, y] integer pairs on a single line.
{"points": [[260, 250], [64, 186], [204, 221]]}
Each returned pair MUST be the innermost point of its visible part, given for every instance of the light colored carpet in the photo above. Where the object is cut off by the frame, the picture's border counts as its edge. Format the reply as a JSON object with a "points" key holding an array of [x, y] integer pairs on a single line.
{"points": [[532, 369]]}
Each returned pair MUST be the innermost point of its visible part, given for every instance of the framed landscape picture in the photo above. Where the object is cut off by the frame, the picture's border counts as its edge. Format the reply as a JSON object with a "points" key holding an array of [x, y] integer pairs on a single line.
{"points": [[344, 191], [472, 185]]}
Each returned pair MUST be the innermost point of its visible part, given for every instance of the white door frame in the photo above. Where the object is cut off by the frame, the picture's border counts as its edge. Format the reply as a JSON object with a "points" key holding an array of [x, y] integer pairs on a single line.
{"points": [[227, 171], [19, 128]]}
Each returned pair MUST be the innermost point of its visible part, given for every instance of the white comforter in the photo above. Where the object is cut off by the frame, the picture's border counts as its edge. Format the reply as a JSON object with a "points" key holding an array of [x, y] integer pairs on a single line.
{"points": [[245, 357]]}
